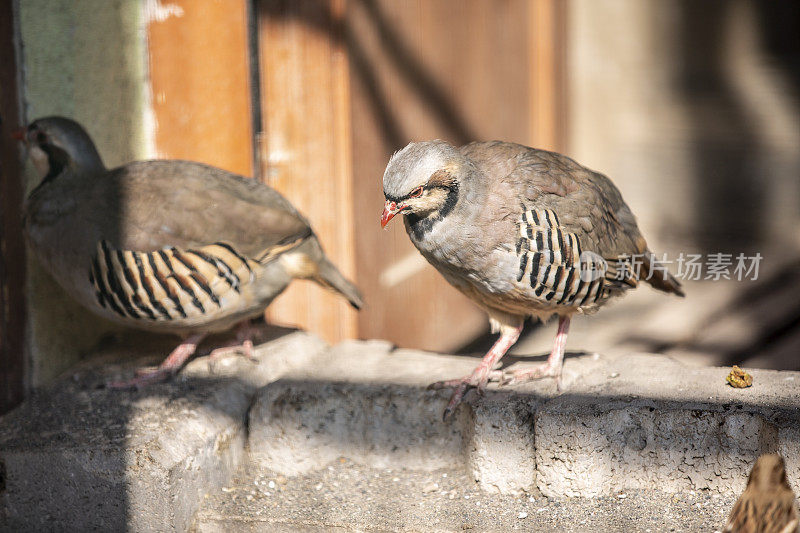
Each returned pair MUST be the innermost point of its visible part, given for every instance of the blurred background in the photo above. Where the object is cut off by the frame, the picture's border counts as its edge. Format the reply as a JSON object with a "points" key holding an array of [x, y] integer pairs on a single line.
{"points": [[692, 108]]}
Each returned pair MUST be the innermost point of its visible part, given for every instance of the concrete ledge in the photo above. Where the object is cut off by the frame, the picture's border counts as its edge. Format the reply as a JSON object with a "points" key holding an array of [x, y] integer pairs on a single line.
{"points": [[625, 423], [81, 457], [358, 403], [657, 423]]}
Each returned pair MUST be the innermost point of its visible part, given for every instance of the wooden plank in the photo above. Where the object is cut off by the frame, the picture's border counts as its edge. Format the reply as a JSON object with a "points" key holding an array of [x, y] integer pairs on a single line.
{"points": [[12, 249], [306, 151], [199, 73], [547, 34]]}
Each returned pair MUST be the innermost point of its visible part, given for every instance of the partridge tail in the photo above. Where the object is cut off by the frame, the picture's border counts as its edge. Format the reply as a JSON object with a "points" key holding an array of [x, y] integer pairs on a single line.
{"points": [[307, 260], [658, 277], [329, 276]]}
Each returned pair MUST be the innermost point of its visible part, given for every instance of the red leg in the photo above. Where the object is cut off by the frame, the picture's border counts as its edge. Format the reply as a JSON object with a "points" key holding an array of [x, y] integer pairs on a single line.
{"points": [[554, 364], [166, 369], [480, 376], [245, 334]]}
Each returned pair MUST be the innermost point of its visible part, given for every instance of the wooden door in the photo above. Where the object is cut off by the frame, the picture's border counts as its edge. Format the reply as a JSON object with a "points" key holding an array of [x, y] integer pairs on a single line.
{"points": [[200, 83]]}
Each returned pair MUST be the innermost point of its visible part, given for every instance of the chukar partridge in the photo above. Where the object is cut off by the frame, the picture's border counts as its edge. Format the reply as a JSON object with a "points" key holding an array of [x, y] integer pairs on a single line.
{"points": [[523, 233], [767, 504], [165, 246]]}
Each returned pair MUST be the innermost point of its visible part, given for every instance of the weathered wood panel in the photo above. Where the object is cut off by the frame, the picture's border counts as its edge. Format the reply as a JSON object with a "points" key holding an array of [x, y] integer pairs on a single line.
{"points": [[547, 32], [12, 249], [305, 145], [200, 83]]}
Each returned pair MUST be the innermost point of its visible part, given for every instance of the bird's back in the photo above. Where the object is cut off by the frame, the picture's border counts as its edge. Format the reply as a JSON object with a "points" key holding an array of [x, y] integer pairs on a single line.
{"points": [[184, 203]]}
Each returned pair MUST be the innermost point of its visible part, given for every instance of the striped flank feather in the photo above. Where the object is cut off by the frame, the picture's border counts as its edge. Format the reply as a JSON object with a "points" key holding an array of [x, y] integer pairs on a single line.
{"points": [[168, 284], [553, 264]]}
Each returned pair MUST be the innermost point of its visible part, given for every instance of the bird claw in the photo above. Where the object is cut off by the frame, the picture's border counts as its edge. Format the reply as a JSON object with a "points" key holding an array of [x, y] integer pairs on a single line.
{"points": [[461, 385], [523, 376], [143, 378], [448, 384], [455, 400], [145, 370], [506, 379], [437, 385]]}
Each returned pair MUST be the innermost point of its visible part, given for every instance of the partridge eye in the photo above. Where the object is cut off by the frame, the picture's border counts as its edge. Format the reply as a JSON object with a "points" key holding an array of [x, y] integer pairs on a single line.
{"points": [[41, 138], [416, 193]]}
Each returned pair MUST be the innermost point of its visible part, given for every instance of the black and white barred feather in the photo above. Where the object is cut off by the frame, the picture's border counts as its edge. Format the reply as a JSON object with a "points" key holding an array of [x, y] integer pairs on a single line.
{"points": [[553, 264], [169, 284]]}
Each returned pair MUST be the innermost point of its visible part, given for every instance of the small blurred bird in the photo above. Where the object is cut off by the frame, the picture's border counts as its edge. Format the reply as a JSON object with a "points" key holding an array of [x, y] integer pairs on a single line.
{"points": [[767, 504]]}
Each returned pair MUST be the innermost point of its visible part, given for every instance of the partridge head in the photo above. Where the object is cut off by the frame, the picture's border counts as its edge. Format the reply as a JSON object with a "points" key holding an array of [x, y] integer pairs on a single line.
{"points": [[523, 233], [423, 183], [171, 246]]}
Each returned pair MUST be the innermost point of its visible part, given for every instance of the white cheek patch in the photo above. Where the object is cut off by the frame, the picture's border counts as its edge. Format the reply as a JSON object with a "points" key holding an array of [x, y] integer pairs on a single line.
{"points": [[431, 201], [39, 159]]}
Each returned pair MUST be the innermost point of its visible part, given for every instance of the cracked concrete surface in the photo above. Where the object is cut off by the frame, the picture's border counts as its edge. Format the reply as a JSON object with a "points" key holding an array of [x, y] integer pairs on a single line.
{"points": [[623, 423], [80, 456]]}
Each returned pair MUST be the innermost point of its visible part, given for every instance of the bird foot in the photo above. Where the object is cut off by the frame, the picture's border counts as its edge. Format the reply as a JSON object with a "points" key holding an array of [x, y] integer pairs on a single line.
{"points": [[478, 379], [245, 349], [245, 334], [144, 377], [523, 376], [168, 368]]}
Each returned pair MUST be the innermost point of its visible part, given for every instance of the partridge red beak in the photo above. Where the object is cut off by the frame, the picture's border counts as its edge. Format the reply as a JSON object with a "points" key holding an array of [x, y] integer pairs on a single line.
{"points": [[390, 209], [18, 134]]}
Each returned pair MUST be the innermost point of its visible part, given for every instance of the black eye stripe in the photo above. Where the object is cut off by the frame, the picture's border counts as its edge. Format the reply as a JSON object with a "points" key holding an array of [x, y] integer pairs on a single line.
{"points": [[419, 190]]}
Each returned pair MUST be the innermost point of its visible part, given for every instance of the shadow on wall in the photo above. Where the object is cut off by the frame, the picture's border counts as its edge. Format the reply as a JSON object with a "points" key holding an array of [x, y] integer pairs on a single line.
{"points": [[731, 53], [319, 15]]}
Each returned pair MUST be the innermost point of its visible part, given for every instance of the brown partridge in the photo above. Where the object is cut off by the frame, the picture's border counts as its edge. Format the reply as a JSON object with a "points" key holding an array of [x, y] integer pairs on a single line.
{"points": [[165, 246], [523, 233], [767, 504]]}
